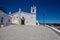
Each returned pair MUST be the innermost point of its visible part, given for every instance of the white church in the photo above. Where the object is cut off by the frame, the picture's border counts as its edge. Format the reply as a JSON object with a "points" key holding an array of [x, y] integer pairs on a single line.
{"points": [[22, 18]]}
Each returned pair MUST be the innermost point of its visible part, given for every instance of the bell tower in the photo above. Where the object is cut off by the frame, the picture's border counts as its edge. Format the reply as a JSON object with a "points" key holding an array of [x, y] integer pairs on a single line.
{"points": [[33, 10]]}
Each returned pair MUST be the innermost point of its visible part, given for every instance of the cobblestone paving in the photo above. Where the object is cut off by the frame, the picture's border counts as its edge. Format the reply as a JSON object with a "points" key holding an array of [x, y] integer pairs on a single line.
{"points": [[18, 32]]}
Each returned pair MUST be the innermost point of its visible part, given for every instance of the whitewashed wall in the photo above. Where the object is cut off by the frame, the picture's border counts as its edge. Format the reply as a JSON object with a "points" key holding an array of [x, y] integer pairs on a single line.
{"points": [[16, 18], [29, 18], [5, 18]]}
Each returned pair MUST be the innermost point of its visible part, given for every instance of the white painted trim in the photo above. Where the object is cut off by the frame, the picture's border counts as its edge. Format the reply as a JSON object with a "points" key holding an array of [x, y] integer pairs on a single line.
{"points": [[54, 28]]}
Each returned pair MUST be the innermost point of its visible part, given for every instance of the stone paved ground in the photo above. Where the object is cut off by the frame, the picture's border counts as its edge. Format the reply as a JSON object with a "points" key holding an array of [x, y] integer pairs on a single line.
{"points": [[18, 32]]}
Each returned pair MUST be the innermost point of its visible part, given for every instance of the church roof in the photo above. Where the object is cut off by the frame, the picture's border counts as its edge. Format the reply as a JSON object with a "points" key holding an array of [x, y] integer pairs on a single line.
{"points": [[21, 13]]}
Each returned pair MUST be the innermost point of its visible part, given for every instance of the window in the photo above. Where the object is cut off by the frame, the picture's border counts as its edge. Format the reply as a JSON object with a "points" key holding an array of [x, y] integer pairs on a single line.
{"points": [[9, 20], [1, 19], [17, 17], [33, 10], [26, 21]]}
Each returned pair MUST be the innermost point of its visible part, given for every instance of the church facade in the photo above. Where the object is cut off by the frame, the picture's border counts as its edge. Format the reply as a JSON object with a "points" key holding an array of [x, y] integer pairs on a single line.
{"points": [[24, 18]]}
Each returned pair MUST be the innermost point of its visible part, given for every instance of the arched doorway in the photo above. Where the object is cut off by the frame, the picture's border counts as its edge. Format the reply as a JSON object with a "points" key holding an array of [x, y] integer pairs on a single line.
{"points": [[22, 21]]}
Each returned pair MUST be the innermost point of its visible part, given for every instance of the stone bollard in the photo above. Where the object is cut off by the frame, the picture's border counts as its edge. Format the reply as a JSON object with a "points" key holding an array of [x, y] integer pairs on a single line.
{"points": [[2, 25]]}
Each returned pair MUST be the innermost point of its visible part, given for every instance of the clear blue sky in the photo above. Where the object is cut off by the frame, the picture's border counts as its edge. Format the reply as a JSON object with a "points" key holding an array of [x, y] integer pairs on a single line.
{"points": [[49, 8]]}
